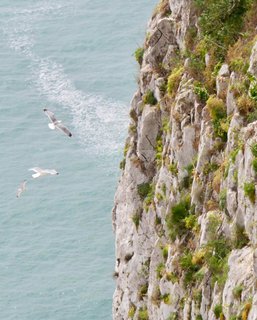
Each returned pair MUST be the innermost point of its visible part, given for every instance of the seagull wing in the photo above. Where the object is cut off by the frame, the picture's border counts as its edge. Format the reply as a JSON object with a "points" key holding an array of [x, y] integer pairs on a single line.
{"points": [[62, 128], [21, 188], [50, 115], [24, 184], [36, 169], [19, 191], [50, 171]]}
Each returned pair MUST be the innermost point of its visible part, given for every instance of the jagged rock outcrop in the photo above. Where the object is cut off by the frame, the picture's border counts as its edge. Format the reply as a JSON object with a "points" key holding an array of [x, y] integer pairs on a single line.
{"points": [[185, 213]]}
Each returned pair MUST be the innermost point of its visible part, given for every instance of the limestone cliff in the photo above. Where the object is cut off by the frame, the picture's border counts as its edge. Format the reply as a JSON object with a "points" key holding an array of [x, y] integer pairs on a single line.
{"points": [[185, 213]]}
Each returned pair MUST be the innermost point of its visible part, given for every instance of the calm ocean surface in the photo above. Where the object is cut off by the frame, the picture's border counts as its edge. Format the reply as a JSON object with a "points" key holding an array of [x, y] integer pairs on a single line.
{"points": [[56, 241]]}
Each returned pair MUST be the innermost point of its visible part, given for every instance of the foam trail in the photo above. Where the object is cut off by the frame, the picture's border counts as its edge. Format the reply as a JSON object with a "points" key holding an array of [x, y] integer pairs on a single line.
{"points": [[99, 123]]}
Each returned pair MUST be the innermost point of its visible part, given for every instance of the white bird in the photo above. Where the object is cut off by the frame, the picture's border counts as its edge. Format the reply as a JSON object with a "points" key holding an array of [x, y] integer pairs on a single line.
{"points": [[42, 172], [21, 188], [56, 124]]}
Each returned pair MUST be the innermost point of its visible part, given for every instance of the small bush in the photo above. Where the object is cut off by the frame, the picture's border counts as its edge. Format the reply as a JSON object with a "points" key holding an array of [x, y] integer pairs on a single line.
{"points": [[143, 314], [210, 167], [239, 237], [188, 179], [142, 292], [173, 168], [143, 189], [191, 222], [217, 177], [149, 98], [217, 310], [139, 53], [254, 149], [188, 267], [254, 164], [249, 190], [170, 276], [149, 198], [181, 210], [123, 164], [217, 110], [201, 92], [253, 90], [197, 295], [165, 125], [159, 149], [245, 104], [198, 257], [131, 311], [239, 65], [160, 270], [174, 80], [237, 291], [165, 252], [216, 259], [136, 219], [233, 155], [176, 218], [166, 298], [252, 116], [198, 317]]}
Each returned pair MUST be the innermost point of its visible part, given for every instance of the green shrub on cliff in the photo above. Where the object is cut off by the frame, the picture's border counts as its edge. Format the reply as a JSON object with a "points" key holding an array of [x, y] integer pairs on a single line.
{"points": [[249, 190], [217, 110], [149, 98], [201, 92], [221, 21], [143, 189], [254, 149], [217, 310], [174, 80], [176, 218], [143, 314], [139, 55]]}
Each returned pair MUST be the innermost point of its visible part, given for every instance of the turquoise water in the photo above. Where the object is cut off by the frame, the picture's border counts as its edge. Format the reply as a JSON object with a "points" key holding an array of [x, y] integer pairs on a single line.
{"points": [[56, 241]]}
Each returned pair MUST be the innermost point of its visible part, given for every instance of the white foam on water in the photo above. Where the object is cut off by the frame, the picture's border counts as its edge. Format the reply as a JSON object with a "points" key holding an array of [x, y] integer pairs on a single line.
{"points": [[98, 123]]}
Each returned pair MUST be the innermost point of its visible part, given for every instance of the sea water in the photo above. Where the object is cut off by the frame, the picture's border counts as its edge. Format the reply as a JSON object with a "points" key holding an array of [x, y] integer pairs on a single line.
{"points": [[56, 241]]}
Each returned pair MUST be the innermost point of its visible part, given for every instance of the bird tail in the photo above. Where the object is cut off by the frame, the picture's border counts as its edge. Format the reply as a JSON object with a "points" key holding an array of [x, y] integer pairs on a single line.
{"points": [[51, 126], [36, 175]]}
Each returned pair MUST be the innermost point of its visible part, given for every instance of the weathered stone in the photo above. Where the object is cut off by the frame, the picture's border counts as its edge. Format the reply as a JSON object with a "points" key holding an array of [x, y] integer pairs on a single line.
{"points": [[253, 61], [222, 81], [149, 126]]}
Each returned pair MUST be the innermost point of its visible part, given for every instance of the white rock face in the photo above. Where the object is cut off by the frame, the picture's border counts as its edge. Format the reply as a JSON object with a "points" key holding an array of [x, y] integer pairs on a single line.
{"points": [[148, 129], [185, 213], [253, 61], [240, 275]]}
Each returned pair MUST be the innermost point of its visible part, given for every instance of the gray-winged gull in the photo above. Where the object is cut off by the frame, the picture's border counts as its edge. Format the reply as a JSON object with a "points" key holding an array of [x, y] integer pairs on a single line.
{"points": [[42, 172], [56, 124], [21, 188]]}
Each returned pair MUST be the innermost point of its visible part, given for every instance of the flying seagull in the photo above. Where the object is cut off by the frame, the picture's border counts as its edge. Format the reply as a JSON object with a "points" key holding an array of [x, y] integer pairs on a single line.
{"points": [[42, 172], [21, 188], [56, 124]]}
